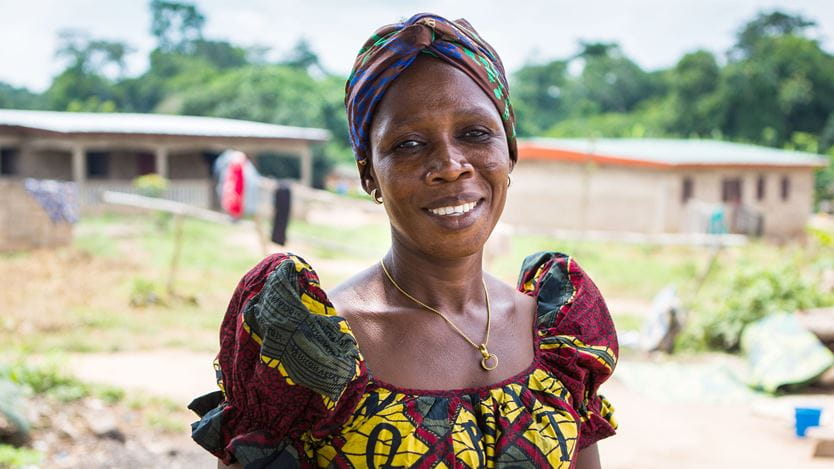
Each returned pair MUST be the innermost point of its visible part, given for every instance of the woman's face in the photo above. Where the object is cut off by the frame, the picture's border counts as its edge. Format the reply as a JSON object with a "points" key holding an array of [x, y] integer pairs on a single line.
{"points": [[440, 159]]}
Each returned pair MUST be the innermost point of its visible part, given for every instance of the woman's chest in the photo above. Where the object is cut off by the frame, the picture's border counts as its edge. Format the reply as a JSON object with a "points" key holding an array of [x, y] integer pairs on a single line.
{"points": [[420, 350]]}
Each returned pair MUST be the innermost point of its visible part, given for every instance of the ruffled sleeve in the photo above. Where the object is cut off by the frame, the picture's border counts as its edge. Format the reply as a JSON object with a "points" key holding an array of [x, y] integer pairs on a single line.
{"points": [[288, 369], [577, 339]]}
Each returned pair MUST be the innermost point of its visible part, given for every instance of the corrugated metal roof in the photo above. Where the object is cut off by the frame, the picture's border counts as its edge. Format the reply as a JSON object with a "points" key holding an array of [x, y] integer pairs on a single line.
{"points": [[671, 152], [154, 124]]}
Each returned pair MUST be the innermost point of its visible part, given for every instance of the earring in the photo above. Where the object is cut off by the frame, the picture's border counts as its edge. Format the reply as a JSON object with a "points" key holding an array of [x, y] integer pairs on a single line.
{"points": [[509, 181], [376, 196]]}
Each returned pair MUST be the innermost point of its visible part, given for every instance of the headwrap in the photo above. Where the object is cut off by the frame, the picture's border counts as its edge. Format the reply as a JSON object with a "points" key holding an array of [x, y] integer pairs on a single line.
{"points": [[390, 51]]}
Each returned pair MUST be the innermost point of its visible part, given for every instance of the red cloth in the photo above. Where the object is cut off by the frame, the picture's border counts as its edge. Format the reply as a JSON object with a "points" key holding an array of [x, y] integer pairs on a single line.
{"points": [[233, 187]]}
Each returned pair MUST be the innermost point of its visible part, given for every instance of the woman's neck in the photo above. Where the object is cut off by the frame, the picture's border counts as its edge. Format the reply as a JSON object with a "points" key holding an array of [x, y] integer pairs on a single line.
{"points": [[452, 286]]}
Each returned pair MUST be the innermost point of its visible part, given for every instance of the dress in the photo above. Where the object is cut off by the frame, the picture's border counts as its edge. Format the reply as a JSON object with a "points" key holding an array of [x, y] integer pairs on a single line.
{"points": [[295, 391]]}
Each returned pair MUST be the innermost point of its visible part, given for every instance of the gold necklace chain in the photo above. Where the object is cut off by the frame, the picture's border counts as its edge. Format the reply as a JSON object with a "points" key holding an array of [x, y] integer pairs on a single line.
{"points": [[486, 357]]}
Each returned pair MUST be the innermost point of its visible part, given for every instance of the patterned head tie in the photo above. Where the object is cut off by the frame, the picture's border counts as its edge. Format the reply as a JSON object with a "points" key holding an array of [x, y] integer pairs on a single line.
{"points": [[390, 51]]}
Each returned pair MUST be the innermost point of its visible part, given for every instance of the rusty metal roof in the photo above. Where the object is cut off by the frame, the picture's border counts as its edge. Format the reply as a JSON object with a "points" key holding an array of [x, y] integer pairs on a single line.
{"points": [[665, 153]]}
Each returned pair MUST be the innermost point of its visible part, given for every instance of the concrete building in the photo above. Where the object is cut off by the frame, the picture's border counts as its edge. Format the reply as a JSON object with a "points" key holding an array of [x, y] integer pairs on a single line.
{"points": [[105, 151], [661, 186]]}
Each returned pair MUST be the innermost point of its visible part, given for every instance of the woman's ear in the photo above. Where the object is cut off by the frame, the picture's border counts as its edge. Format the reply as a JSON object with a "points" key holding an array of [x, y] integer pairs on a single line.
{"points": [[368, 177]]}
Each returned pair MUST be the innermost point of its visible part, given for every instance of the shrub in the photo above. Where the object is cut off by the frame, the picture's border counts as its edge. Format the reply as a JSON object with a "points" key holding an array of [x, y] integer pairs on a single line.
{"points": [[749, 294]]}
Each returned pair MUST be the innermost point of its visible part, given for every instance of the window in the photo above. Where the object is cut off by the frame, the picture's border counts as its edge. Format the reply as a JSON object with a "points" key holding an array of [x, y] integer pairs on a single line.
{"points": [[731, 190], [760, 188], [8, 161], [786, 188], [98, 164], [687, 190]]}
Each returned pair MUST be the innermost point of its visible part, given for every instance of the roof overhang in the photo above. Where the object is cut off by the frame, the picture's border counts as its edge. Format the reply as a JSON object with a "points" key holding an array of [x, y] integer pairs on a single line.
{"points": [[50, 124]]}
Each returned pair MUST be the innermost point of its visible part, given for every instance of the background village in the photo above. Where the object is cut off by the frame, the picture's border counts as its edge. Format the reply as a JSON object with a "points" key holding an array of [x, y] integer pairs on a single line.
{"points": [[698, 197]]}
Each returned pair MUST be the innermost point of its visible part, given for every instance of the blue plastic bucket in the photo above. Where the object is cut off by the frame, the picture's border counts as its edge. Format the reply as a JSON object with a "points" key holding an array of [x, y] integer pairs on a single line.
{"points": [[806, 417]]}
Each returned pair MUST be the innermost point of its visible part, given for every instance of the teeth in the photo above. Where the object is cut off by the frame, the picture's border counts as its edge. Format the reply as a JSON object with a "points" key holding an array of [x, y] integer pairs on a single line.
{"points": [[454, 210]]}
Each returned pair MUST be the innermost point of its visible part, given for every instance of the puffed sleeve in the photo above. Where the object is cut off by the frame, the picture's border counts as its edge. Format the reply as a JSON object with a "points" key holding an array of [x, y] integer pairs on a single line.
{"points": [[577, 339], [289, 369]]}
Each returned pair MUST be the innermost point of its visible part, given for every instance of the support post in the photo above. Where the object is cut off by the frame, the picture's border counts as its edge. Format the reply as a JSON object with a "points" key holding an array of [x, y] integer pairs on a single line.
{"points": [[79, 170], [306, 166], [161, 161]]}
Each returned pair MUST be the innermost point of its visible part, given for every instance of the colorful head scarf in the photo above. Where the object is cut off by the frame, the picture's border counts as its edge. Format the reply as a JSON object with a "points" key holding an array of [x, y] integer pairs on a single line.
{"points": [[390, 51]]}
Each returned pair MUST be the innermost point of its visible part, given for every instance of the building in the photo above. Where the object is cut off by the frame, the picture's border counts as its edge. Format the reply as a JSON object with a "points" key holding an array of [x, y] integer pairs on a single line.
{"points": [[661, 186], [106, 151]]}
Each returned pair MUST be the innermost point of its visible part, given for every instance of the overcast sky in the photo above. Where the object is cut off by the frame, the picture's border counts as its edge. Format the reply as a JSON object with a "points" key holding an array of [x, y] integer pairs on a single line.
{"points": [[654, 33]]}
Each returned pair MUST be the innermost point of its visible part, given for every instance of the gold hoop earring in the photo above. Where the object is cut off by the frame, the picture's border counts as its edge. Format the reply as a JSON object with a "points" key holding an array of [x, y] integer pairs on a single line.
{"points": [[376, 196], [509, 181]]}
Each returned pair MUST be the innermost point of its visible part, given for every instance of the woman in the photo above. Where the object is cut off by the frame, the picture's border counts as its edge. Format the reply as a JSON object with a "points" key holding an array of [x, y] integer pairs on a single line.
{"points": [[456, 368]]}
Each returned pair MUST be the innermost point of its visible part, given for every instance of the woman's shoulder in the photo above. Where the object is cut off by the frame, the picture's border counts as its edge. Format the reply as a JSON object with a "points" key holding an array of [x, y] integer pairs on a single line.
{"points": [[294, 323], [568, 301]]}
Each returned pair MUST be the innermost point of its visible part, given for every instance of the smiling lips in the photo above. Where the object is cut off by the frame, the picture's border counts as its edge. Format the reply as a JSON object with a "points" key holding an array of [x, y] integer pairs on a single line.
{"points": [[455, 211]]}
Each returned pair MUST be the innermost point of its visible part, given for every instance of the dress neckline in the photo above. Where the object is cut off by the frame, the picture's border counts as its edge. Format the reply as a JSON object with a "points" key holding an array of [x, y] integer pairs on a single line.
{"points": [[516, 378]]}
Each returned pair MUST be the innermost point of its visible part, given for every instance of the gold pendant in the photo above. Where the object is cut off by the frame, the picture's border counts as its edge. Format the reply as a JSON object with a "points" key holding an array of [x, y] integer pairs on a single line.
{"points": [[486, 358]]}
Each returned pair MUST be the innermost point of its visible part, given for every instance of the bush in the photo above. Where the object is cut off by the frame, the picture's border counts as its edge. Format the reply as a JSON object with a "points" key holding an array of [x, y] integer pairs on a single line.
{"points": [[749, 294], [151, 185]]}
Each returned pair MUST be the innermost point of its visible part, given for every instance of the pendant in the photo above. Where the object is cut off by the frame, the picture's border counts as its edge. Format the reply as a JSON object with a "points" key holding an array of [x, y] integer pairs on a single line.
{"points": [[488, 360]]}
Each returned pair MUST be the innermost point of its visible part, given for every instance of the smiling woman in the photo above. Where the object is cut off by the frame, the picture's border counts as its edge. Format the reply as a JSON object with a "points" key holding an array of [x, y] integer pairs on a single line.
{"points": [[421, 360]]}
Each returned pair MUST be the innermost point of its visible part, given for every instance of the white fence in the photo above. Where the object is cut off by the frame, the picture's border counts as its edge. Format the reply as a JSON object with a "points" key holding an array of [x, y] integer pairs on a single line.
{"points": [[195, 192]]}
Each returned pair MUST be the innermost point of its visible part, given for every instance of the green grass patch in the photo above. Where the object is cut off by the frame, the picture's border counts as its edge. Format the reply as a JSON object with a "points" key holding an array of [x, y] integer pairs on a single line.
{"points": [[618, 269], [13, 458], [628, 322]]}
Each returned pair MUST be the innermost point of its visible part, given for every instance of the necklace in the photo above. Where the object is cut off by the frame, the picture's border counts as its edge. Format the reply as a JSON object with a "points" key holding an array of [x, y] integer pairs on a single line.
{"points": [[488, 360]]}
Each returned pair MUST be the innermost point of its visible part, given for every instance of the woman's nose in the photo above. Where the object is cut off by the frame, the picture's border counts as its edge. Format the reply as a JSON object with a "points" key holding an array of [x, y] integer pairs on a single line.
{"points": [[447, 163]]}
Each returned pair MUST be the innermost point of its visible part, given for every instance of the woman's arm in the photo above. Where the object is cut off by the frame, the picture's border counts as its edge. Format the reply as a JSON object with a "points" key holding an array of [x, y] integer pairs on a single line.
{"points": [[236, 465], [588, 458]]}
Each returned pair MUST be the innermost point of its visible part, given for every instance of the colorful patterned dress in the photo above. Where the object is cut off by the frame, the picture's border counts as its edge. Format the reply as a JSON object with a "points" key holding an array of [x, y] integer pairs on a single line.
{"points": [[295, 391]]}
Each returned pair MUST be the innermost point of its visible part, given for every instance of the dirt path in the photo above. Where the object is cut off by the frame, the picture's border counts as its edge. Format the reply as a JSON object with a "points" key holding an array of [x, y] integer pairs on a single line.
{"points": [[652, 434]]}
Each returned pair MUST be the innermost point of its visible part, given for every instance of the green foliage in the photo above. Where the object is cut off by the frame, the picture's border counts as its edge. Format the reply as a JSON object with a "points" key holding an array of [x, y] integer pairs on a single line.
{"points": [[18, 98], [749, 294], [176, 25], [12, 457], [766, 26], [612, 82], [538, 96], [648, 121], [145, 292], [150, 185], [46, 379]]}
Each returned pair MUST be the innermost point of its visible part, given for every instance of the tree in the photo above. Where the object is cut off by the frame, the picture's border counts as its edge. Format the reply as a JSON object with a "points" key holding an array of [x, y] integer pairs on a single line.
{"points": [[87, 83], [304, 57], [610, 80], [92, 56], [785, 86], [537, 94], [176, 25], [768, 25], [693, 84], [18, 98]]}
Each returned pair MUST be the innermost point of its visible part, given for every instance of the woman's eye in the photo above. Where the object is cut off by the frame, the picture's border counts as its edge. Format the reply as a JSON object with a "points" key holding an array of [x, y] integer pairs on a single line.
{"points": [[475, 134], [407, 145]]}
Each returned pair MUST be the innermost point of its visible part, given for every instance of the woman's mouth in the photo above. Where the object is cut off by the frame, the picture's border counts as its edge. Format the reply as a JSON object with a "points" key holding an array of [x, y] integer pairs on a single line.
{"points": [[454, 210]]}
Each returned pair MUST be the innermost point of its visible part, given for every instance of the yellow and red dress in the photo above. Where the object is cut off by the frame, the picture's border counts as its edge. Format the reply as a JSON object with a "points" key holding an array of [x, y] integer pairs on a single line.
{"points": [[295, 391]]}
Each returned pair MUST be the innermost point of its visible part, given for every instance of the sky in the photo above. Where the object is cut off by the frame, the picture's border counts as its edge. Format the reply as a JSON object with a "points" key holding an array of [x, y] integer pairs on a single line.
{"points": [[653, 33]]}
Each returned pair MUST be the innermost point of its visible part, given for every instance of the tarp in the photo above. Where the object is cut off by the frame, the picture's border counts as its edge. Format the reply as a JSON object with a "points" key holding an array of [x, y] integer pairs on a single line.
{"points": [[782, 354]]}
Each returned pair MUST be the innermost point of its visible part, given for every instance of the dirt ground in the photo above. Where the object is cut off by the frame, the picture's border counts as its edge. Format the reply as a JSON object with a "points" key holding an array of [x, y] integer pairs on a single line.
{"points": [[652, 435]]}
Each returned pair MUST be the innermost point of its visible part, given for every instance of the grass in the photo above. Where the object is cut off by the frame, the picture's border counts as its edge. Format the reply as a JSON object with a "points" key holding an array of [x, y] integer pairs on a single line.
{"points": [[13, 458], [619, 269]]}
